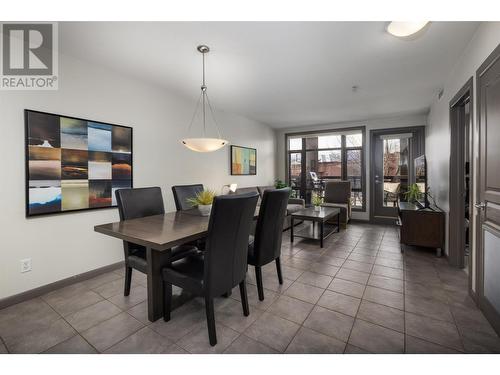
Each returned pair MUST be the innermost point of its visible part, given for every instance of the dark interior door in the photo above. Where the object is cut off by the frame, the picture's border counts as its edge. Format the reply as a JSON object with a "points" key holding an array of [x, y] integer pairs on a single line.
{"points": [[488, 288]]}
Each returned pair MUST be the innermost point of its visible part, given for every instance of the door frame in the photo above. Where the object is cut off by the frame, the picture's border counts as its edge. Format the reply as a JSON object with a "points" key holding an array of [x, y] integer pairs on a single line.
{"points": [[456, 237], [420, 146], [484, 305]]}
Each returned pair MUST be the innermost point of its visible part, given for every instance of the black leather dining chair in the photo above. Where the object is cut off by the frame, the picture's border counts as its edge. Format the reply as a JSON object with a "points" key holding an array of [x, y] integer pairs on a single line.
{"points": [[133, 204], [182, 193], [224, 264], [266, 244]]}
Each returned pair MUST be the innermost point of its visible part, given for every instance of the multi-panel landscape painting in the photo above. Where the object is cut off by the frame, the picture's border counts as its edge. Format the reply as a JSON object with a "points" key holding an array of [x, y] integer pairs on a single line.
{"points": [[74, 164]]}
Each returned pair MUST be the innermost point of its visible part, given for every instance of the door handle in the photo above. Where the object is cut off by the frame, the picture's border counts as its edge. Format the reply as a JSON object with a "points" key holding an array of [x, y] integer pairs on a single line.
{"points": [[480, 205]]}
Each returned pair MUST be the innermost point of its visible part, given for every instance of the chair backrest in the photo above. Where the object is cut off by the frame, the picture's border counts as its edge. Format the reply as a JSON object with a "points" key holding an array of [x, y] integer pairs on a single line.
{"points": [[262, 189], [392, 187], [227, 241], [246, 190], [269, 229], [337, 191], [141, 202], [182, 193]]}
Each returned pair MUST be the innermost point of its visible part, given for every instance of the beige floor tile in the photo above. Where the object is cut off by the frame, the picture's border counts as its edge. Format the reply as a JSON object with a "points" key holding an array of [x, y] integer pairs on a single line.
{"points": [[307, 341], [339, 302], [347, 287], [111, 331], [330, 323], [315, 279], [376, 339], [382, 315], [303, 292], [384, 297], [433, 330], [273, 331], [291, 309], [144, 341], [245, 345]]}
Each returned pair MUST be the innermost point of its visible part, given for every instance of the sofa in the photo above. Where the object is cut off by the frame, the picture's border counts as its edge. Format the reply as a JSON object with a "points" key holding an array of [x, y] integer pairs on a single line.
{"points": [[294, 204]]}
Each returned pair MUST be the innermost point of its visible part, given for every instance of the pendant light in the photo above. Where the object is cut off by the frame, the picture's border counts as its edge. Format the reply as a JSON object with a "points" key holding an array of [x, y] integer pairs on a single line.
{"points": [[204, 144]]}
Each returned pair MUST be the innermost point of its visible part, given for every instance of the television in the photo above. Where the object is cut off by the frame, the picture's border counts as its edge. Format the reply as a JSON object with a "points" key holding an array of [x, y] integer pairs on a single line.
{"points": [[420, 169]]}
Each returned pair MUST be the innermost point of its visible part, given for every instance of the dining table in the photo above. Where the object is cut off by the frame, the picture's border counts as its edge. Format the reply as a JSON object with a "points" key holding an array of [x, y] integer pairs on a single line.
{"points": [[159, 234]]}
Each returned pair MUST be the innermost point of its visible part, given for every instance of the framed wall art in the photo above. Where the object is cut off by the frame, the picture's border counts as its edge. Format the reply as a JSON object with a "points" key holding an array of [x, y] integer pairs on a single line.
{"points": [[243, 161], [74, 164]]}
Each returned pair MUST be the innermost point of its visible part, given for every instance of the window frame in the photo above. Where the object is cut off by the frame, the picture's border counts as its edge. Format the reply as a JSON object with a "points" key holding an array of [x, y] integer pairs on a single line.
{"points": [[343, 154]]}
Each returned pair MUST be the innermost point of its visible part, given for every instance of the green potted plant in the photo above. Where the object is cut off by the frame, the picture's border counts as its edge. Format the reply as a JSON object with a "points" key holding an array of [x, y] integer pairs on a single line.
{"points": [[203, 201], [279, 184], [413, 193], [317, 201]]}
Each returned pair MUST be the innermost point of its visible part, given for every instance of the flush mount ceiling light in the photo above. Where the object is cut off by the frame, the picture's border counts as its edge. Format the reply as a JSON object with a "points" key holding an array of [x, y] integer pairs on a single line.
{"points": [[204, 144], [405, 29]]}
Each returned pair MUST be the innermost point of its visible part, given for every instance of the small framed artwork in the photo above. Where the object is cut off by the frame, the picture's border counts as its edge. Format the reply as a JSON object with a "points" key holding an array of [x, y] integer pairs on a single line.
{"points": [[243, 161], [74, 164]]}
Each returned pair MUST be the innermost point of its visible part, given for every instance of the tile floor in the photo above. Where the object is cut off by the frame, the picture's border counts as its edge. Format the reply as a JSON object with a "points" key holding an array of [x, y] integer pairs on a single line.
{"points": [[358, 294]]}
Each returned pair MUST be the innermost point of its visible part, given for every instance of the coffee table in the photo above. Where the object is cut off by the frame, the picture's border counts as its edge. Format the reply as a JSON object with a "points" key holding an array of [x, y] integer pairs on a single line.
{"points": [[319, 229]]}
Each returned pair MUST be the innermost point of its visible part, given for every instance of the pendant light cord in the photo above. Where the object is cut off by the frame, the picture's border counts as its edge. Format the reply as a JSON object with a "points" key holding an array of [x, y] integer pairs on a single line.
{"points": [[203, 98], [195, 111], [213, 117], [203, 92]]}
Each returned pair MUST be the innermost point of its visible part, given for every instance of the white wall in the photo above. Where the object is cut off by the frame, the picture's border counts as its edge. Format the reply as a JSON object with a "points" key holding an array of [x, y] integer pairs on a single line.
{"points": [[382, 123], [484, 41], [65, 245]]}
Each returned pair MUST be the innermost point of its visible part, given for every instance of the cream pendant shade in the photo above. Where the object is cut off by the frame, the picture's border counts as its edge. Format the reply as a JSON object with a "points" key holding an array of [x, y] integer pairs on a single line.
{"points": [[204, 144]]}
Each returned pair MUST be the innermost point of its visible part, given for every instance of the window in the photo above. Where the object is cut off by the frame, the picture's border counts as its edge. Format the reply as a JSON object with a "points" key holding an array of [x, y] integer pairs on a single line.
{"points": [[330, 141], [313, 158], [295, 144]]}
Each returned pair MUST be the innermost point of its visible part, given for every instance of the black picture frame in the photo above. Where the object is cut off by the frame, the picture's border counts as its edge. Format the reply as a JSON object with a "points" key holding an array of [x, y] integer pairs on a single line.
{"points": [[28, 212], [232, 166]]}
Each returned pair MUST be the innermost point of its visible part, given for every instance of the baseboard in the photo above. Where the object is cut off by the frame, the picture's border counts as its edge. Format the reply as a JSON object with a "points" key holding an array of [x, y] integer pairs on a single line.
{"points": [[473, 295], [29, 294], [370, 221]]}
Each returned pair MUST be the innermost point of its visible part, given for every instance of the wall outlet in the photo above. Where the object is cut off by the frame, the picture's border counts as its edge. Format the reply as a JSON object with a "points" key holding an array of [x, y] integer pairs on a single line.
{"points": [[25, 265]]}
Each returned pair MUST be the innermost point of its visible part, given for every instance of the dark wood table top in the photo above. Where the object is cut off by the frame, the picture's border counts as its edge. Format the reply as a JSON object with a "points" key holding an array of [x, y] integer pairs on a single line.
{"points": [[311, 214], [160, 232]]}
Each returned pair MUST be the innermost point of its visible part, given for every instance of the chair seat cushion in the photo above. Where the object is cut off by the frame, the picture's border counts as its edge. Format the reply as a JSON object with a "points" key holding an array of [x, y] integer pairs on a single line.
{"points": [[186, 273], [138, 258], [138, 262], [291, 208], [344, 211]]}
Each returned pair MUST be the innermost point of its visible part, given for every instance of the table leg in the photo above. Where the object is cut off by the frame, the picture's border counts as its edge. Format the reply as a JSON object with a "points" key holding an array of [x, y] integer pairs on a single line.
{"points": [[321, 233], [156, 261], [338, 223], [291, 230]]}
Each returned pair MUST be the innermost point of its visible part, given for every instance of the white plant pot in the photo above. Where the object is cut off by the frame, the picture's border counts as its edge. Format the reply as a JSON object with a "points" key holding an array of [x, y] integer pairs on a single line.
{"points": [[317, 208], [205, 209]]}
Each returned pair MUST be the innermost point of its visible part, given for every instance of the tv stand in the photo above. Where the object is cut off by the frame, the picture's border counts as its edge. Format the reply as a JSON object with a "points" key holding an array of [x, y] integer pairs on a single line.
{"points": [[421, 226]]}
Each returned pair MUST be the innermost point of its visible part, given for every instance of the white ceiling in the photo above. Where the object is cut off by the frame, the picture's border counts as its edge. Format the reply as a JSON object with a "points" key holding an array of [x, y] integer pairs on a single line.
{"points": [[281, 73]]}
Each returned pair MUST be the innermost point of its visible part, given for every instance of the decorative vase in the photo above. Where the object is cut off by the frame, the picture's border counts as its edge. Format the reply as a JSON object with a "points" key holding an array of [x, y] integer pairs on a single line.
{"points": [[205, 209], [317, 208]]}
